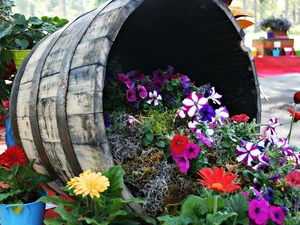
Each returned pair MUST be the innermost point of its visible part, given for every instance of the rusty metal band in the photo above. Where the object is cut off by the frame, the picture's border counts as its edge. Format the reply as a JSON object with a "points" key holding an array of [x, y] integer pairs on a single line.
{"points": [[61, 97]]}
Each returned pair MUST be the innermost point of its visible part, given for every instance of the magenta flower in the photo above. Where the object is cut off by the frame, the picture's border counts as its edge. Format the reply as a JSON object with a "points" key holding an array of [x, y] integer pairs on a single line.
{"points": [[130, 84], [154, 98], [142, 91], [259, 211], [136, 75], [184, 82], [149, 86], [158, 84], [277, 214], [214, 96], [247, 153], [221, 115], [182, 162], [181, 113], [191, 150], [193, 103], [131, 95], [5, 103], [123, 78], [158, 74], [204, 140]]}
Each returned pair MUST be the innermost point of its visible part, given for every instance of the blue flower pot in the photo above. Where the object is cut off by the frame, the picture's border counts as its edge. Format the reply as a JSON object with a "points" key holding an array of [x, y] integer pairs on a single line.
{"points": [[276, 52], [32, 214], [270, 34]]}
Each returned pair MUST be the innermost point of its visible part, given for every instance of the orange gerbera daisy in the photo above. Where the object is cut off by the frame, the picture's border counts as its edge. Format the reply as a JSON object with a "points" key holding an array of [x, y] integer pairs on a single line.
{"points": [[218, 181], [297, 114], [12, 156]]}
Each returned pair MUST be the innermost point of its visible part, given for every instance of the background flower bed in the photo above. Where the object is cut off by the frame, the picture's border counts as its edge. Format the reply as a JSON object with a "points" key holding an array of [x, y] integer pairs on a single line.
{"points": [[156, 174], [275, 23]]}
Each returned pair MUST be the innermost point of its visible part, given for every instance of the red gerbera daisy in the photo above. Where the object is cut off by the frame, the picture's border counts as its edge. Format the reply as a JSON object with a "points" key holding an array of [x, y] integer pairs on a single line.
{"points": [[12, 156], [293, 178], [178, 143], [240, 118], [297, 114], [218, 181]]}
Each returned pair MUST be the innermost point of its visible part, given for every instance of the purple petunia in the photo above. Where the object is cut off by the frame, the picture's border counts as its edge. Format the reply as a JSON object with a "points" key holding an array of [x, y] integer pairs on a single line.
{"points": [[259, 211], [247, 153], [275, 177], [268, 196], [131, 95], [207, 113], [123, 78], [263, 162], [185, 82], [191, 150], [142, 91]]}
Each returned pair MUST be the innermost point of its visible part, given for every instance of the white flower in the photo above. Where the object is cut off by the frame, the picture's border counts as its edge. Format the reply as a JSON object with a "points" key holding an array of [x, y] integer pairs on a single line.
{"points": [[154, 97]]}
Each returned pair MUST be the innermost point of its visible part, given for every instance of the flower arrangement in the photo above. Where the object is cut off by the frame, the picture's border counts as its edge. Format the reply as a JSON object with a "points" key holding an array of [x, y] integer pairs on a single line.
{"points": [[97, 201], [19, 183], [275, 23], [164, 131]]}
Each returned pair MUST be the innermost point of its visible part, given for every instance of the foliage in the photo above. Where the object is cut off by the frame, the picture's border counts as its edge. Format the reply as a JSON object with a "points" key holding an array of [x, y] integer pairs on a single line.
{"points": [[19, 182], [275, 23], [19, 32], [108, 208]]}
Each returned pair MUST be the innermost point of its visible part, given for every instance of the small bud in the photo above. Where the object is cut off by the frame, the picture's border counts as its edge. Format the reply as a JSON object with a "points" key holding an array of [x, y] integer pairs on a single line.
{"points": [[297, 97]]}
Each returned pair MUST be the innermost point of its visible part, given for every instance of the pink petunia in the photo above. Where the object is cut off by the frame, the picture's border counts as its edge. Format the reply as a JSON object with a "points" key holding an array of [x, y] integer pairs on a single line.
{"points": [[5, 103], [131, 95], [277, 214], [204, 140], [182, 162], [142, 91], [191, 150], [259, 211]]}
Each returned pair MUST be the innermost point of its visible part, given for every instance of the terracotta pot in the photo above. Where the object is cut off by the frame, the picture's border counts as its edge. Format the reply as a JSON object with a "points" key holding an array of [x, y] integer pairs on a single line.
{"points": [[279, 33]]}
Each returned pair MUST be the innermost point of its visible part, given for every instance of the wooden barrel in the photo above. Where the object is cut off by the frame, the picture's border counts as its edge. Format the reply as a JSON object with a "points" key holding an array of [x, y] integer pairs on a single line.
{"points": [[56, 103]]}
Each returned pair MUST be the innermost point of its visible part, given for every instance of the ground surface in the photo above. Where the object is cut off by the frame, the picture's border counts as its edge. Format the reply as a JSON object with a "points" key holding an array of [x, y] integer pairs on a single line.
{"points": [[280, 91]]}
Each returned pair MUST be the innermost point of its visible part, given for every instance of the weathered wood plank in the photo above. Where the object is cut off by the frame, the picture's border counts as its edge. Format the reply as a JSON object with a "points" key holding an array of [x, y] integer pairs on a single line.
{"points": [[114, 5], [59, 160], [82, 103], [23, 100], [48, 87], [95, 51], [90, 157], [24, 128], [82, 129]]}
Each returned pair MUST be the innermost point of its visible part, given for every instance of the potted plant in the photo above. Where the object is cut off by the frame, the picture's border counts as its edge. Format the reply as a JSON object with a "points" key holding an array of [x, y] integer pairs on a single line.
{"points": [[18, 35], [97, 201], [278, 25], [20, 189]]}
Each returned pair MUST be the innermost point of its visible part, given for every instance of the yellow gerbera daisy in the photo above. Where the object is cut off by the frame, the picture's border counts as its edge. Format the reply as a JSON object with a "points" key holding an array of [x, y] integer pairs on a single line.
{"points": [[71, 183], [91, 184]]}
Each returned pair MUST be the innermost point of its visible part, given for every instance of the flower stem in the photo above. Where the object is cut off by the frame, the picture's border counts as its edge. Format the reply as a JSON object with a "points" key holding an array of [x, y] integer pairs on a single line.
{"points": [[215, 204], [292, 124]]}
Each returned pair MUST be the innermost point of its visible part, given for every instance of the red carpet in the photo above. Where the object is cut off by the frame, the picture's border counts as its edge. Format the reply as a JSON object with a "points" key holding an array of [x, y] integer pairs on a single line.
{"points": [[268, 66]]}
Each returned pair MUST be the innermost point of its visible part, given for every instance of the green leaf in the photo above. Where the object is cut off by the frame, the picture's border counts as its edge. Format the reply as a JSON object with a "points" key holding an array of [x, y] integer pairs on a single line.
{"points": [[160, 144], [150, 136], [5, 196], [34, 20], [17, 209], [70, 218], [239, 205], [147, 219], [210, 203], [23, 43], [54, 221], [5, 31], [62, 22], [193, 207], [115, 175], [219, 218], [20, 19], [169, 220], [146, 142]]}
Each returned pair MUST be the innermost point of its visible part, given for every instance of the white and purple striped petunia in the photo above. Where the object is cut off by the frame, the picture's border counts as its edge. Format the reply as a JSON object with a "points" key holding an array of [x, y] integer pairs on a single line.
{"points": [[154, 98], [214, 96], [193, 103], [247, 153], [263, 162], [221, 115], [273, 123]]}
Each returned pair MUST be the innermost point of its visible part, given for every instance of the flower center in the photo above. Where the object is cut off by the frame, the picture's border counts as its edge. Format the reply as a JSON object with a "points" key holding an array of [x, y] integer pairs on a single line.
{"points": [[257, 210], [217, 186]]}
